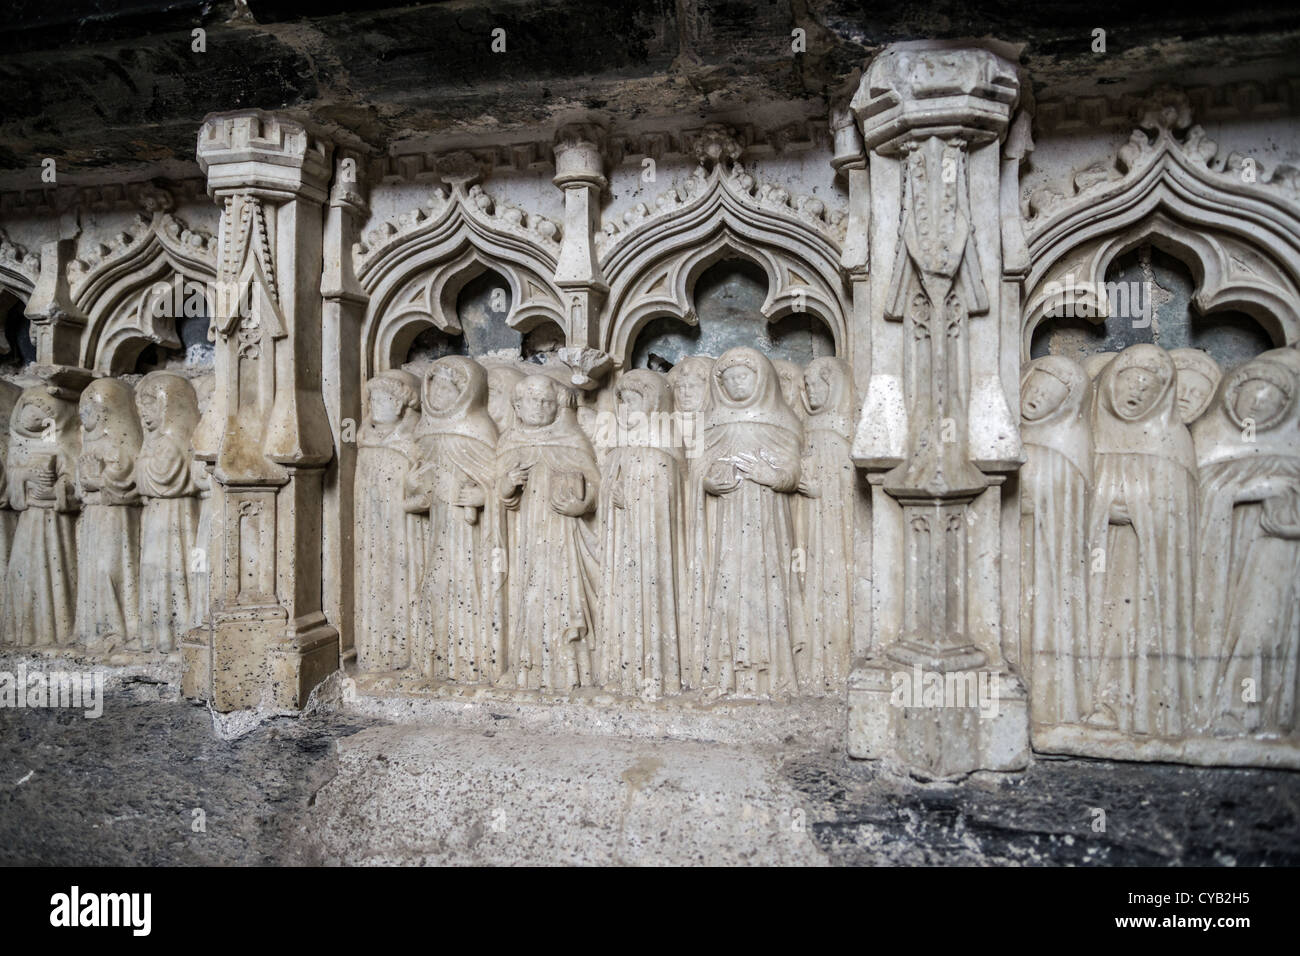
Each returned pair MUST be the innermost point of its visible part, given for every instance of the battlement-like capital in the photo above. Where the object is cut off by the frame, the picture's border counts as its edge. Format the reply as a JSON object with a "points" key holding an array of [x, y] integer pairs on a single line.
{"points": [[253, 149], [908, 94]]}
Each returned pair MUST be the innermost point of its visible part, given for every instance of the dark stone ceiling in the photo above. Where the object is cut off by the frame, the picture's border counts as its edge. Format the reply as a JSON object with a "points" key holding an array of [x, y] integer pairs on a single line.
{"points": [[112, 87]]}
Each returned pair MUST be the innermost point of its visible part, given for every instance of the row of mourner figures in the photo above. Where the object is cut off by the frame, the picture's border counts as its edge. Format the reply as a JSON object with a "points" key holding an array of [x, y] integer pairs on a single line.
{"points": [[1160, 557], [103, 516], [688, 531]]}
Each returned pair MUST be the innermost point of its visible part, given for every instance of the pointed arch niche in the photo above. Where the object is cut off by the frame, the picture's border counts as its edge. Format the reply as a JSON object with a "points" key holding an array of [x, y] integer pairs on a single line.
{"points": [[1235, 230], [416, 268], [654, 267]]}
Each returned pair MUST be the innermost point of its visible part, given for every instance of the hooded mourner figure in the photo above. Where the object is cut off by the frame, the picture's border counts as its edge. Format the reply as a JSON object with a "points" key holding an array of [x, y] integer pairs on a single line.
{"points": [[1248, 565], [41, 583], [460, 616], [8, 517], [689, 380], [390, 531], [547, 472], [1055, 484], [644, 543], [164, 476], [751, 467], [108, 537], [829, 508], [1198, 379], [1143, 518]]}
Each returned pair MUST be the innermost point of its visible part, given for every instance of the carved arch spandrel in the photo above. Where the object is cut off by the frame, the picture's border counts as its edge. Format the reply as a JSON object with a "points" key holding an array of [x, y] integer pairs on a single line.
{"points": [[1240, 239], [116, 290], [413, 268], [652, 267]]}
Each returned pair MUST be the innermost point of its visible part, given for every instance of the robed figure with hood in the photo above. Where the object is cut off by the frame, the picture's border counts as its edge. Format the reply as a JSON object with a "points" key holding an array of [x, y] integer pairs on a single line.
{"points": [[547, 472], [751, 467], [1142, 548], [461, 602]]}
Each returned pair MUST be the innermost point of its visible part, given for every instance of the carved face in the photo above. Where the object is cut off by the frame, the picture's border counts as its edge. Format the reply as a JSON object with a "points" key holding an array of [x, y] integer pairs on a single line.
{"points": [[631, 399], [1193, 391], [738, 382], [789, 386], [536, 403], [443, 390], [385, 407], [1136, 390], [1043, 394], [33, 417], [1258, 400], [91, 414], [150, 406], [689, 392], [818, 387]]}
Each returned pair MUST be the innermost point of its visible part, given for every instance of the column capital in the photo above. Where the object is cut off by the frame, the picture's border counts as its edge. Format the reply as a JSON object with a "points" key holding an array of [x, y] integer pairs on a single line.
{"points": [[579, 155], [916, 93], [256, 150]]}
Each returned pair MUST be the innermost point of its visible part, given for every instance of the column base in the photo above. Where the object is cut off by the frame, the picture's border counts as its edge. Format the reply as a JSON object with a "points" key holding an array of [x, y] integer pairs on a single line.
{"points": [[260, 660], [937, 724]]}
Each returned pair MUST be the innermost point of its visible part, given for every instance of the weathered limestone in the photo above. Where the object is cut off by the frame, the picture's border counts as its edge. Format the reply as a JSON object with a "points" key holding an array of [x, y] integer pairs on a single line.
{"points": [[936, 435], [266, 431]]}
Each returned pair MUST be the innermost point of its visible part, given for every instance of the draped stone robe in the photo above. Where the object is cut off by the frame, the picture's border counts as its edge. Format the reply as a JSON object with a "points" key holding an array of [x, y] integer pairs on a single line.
{"points": [[753, 631], [644, 547], [553, 622], [108, 535], [697, 508], [1248, 566], [826, 515], [41, 580], [169, 525], [460, 615], [1143, 518], [1055, 485], [390, 534]]}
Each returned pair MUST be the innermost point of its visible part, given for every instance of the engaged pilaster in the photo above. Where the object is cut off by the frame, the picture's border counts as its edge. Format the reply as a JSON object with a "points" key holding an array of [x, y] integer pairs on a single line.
{"points": [[937, 436], [266, 431]]}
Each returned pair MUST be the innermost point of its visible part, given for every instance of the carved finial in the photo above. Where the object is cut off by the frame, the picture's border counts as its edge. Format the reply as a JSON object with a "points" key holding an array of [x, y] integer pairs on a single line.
{"points": [[459, 169], [717, 145]]}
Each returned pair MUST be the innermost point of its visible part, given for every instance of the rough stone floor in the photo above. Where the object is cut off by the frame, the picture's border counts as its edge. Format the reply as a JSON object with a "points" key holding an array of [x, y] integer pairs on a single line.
{"points": [[334, 788]]}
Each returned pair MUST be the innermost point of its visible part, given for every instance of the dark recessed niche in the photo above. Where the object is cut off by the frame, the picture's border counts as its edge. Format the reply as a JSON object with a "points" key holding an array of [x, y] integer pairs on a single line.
{"points": [[481, 308], [1151, 293], [728, 299], [433, 344], [18, 332]]}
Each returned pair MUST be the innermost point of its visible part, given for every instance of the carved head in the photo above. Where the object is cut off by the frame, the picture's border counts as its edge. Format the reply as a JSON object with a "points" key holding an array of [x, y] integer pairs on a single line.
{"points": [[1198, 377], [791, 377], [738, 381], [690, 383], [1141, 377], [536, 401], [502, 380], [1260, 391], [443, 387], [167, 403], [1042, 394], [392, 394], [107, 409], [641, 390]]}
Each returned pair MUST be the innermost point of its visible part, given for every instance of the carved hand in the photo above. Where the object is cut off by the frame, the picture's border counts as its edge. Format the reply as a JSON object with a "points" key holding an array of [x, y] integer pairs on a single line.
{"points": [[721, 478]]}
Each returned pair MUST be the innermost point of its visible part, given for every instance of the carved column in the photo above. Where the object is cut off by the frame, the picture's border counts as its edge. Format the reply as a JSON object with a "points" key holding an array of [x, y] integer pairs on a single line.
{"points": [[344, 311], [937, 436], [266, 431], [580, 172]]}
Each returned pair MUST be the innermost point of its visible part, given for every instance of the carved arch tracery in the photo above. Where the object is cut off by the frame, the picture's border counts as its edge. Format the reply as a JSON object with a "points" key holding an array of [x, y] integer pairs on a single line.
{"points": [[414, 267], [652, 266], [1238, 233]]}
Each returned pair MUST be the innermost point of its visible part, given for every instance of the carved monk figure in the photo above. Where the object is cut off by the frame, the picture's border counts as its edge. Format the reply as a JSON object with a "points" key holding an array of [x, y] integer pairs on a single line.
{"points": [[164, 476], [502, 380], [689, 380], [644, 543], [1055, 485], [460, 606], [829, 508], [546, 470], [1198, 378], [389, 532], [108, 537], [1248, 569], [8, 517], [1143, 518], [41, 583], [751, 465]]}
